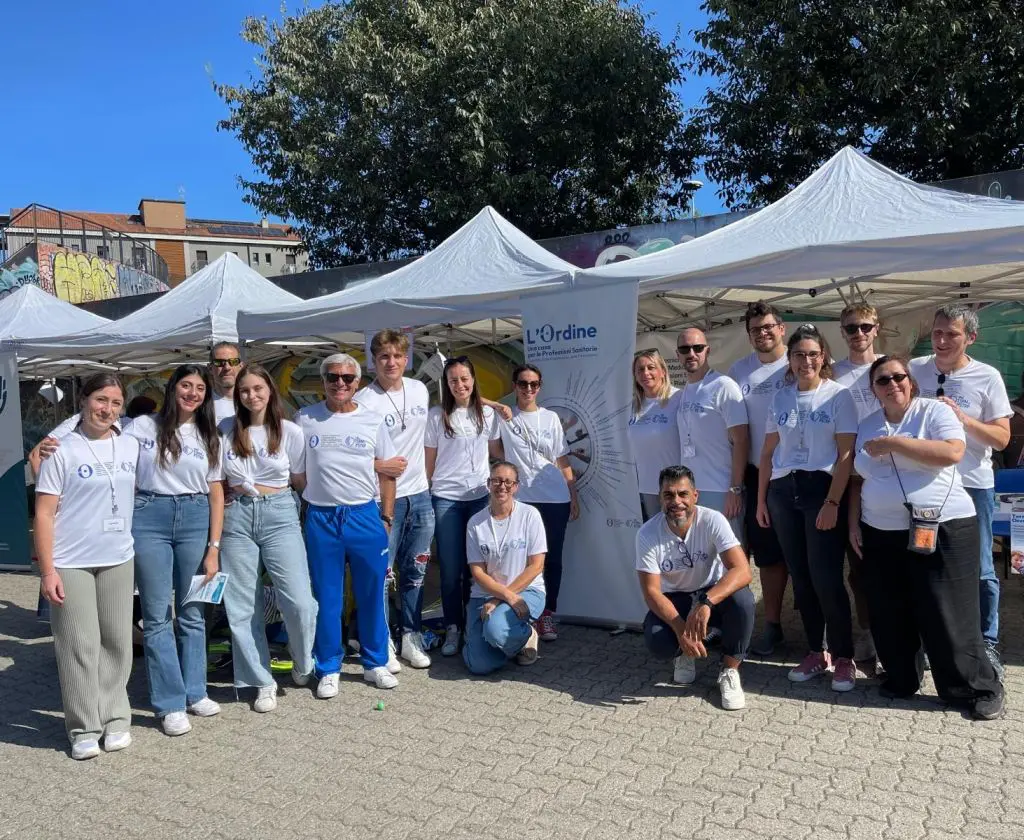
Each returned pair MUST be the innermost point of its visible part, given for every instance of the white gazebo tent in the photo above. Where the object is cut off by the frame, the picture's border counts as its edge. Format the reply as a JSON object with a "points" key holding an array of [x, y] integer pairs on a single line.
{"points": [[181, 324], [853, 230]]}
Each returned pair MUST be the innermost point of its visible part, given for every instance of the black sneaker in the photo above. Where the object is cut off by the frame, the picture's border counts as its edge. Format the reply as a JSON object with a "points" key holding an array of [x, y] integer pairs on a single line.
{"points": [[997, 663], [771, 637], [989, 707]]}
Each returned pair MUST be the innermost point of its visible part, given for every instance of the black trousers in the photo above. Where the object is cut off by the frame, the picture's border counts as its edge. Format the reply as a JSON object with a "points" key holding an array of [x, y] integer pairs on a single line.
{"points": [[734, 616], [931, 598], [815, 558]]}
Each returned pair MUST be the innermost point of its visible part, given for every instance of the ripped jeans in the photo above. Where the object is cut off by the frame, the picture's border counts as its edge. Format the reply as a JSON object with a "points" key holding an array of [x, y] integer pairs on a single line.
{"points": [[409, 552]]}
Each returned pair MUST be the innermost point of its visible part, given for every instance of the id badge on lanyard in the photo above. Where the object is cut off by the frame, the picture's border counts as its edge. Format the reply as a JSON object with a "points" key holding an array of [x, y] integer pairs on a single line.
{"points": [[924, 529]]}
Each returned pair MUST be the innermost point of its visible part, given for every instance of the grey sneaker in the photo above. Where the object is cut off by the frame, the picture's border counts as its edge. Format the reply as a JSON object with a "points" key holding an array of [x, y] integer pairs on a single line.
{"points": [[771, 637], [993, 656], [684, 670]]}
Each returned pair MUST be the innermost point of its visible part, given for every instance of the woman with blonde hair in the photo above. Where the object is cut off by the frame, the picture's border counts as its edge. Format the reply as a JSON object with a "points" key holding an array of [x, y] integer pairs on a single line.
{"points": [[652, 432]]}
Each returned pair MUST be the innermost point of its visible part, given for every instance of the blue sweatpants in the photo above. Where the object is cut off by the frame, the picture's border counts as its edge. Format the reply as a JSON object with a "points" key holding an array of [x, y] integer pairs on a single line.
{"points": [[356, 535]]}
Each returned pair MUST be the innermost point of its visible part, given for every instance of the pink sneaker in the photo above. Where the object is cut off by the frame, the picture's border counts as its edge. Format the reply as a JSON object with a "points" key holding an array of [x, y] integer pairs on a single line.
{"points": [[844, 677], [546, 627], [813, 664]]}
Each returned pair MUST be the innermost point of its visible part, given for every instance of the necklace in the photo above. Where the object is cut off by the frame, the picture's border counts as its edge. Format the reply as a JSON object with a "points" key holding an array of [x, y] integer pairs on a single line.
{"points": [[401, 413], [507, 526]]}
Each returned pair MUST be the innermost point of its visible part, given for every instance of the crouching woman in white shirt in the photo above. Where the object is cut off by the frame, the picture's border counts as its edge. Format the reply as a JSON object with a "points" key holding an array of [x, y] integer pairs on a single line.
{"points": [[922, 580], [83, 539], [505, 547], [263, 453]]}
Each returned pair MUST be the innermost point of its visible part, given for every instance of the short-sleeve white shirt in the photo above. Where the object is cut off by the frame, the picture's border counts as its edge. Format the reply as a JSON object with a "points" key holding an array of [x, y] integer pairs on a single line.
{"points": [[654, 439], [261, 467], [69, 425], [810, 420], [191, 473], [223, 408], [980, 392], [461, 464], [503, 546], [758, 383], [707, 410], [926, 486], [690, 563], [855, 379], [80, 477], [340, 450], [533, 440], [407, 406]]}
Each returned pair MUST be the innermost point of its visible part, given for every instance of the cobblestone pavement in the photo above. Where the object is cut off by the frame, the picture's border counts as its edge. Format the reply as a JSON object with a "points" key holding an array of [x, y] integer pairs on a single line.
{"points": [[592, 742]]}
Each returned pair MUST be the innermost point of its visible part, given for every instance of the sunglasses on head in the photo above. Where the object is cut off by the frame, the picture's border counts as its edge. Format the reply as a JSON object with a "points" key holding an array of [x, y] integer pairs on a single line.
{"points": [[528, 385], [335, 378], [458, 360], [851, 329], [940, 391], [223, 363], [885, 379], [684, 349]]}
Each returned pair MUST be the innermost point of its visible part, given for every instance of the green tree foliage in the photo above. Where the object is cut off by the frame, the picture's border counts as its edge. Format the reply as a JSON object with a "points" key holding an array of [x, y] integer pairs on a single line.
{"points": [[931, 88], [380, 126]]}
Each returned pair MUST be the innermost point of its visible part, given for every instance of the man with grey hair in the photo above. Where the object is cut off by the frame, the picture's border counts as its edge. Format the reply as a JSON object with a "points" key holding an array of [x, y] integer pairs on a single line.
{"points": [[344, 523], [225, 363], [977, 395]]}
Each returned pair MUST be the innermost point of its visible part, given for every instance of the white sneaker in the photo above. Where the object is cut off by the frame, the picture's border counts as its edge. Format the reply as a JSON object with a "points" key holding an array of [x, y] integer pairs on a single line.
{"points": [[684, 671], [380, 677], [729, 685], [327, 687], [452, 636], [81, 750], [176, 723], [205, 708], [266, 699], [412, 650], [114, 741], [300, 680], [394, 666]]}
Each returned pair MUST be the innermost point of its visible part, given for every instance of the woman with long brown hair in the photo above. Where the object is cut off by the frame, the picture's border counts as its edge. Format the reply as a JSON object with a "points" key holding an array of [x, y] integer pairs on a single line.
{"points": [[263, 454]]}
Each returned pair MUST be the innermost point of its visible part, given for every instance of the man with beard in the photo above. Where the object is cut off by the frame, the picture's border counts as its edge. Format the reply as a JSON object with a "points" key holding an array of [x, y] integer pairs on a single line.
{"points": [[694, 575], [225, 362]]}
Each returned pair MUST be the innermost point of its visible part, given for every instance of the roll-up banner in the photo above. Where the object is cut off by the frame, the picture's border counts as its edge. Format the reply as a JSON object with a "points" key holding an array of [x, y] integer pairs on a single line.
{"points": [[582, 341], [14, 548]]}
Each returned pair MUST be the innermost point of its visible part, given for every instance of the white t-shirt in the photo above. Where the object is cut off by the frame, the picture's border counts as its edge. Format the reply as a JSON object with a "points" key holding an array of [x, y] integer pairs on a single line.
{"points": [[340, 449], [707, 410], [981, 394], [926, 486], [807, 423], [855, 379], [533, 440], [461, 465], [223, 407], [654, 439], [87, 533], [685, 564], [758, 383], [408, 405], [191, 473], [261, 467], [503, 546], [69, 425]]}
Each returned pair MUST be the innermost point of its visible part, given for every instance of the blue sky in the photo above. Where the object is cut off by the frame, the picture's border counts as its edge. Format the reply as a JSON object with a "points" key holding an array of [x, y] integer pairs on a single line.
{"points": [[112, 102]]}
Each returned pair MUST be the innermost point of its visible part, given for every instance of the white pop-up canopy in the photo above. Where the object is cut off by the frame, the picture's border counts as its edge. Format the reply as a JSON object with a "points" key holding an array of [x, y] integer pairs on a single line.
{"points": [[181, 324], [853, 230], [480, 271]]}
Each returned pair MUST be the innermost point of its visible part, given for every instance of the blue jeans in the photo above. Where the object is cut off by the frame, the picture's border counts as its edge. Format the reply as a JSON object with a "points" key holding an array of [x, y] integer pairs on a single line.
{"points": [[336, 536], [266, 528], [451, 518], [490, 644], [409, 552], [985, 506], [170, 535], [555, 516]]}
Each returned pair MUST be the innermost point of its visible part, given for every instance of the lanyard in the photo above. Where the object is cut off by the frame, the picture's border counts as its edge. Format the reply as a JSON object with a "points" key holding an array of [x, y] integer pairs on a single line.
{"points": [[494, 534], [686, 411], [103, 465], [401, 414], [809, 400], [532, 437], [468, 437]]}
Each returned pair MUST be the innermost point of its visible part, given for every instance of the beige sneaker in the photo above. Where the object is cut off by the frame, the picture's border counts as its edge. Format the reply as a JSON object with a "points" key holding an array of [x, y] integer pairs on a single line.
{"points": [[528, 654]]}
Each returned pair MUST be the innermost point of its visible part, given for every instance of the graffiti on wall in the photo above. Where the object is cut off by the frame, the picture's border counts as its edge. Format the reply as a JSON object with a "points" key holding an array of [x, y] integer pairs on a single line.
{"points": [[24, 273]]}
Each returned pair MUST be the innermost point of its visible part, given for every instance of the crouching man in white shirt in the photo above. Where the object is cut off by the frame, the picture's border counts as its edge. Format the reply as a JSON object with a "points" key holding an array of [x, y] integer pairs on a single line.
{"points": [[694, 575]]}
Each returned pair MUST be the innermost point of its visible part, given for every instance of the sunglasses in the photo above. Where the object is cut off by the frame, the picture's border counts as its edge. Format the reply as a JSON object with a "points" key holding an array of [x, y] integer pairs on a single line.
{"points": [[528, 384], [458, 360], [896, 377], [764, 328], [502, 482], [940, 391], [335, 378], [851, 329], [223, 363], [684, 349]]}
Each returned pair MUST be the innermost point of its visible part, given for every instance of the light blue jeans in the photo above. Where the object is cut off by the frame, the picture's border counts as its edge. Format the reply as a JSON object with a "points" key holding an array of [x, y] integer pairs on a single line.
{"points": [[170, 535], [985, 506], [716, 501], [451, 518], [409, 553], [490, 644], [266, 528]]}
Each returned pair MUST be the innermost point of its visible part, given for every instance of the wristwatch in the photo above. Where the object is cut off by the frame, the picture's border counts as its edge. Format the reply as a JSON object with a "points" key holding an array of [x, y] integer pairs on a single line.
{"points": [[703, 600], [737, 490], [390, 520], [214, 544]]}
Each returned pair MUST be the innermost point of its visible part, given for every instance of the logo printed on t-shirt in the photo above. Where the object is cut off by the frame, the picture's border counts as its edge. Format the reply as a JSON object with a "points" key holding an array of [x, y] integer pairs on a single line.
{"points": [[85, 471], [357, 443], [314, 441], [147, 443]]}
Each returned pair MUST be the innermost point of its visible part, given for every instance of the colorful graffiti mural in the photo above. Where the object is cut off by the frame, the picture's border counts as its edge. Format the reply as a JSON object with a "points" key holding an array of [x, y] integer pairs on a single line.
{"points": [[73, 276]]}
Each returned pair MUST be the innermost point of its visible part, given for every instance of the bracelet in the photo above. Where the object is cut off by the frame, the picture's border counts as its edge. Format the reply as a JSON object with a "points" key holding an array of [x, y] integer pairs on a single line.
{"points": [[832, 502], [48, 574]]}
